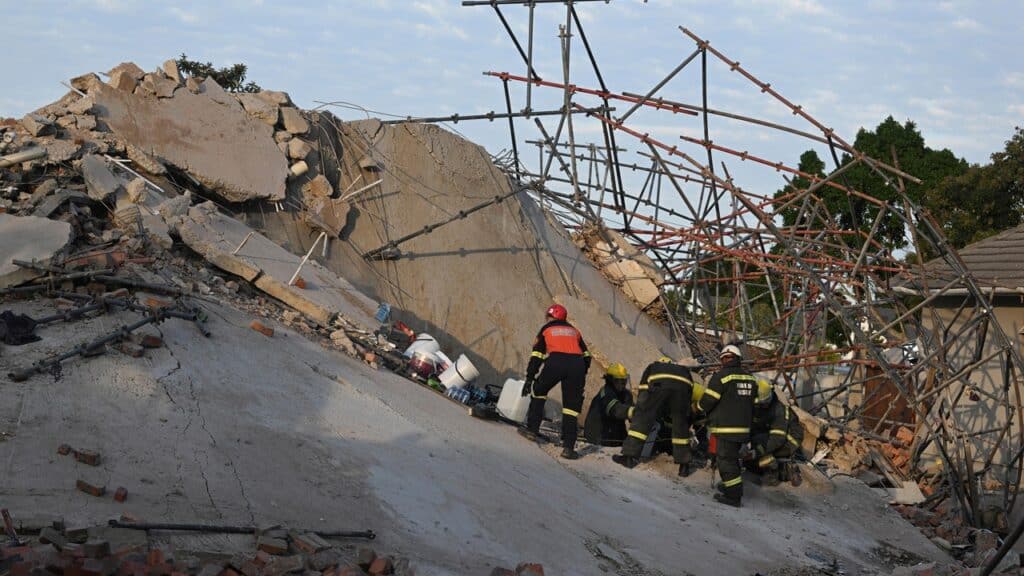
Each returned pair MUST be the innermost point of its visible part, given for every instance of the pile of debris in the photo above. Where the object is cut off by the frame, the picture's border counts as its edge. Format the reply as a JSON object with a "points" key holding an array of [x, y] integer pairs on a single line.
{"points": [[131, 548]]}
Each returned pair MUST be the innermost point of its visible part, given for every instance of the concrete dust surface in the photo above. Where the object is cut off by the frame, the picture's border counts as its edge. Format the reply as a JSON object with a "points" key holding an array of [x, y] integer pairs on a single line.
{"points": [[240, 428]]}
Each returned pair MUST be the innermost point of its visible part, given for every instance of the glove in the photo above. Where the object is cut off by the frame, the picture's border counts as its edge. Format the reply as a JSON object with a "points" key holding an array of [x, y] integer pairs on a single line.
{"points": [[527, 387]]}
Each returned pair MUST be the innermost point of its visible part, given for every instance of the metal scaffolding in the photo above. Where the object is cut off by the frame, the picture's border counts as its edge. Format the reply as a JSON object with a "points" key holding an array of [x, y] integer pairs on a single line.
{"points": [[851, 330]]}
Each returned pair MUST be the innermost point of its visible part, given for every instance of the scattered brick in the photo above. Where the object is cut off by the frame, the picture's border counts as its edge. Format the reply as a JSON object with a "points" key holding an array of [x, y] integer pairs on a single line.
{"points": [[283, 565], [275, 546], [502, 572], [50, 535], [261, 328], [380, 567], [151, 341], [350, 571], [131, 349], [121, 494], [157, 303], [262, 558], [119, 293], [91, 489], [300, 283], [90, 457], [96, 549], [365, 557], [309, 543], [529, 569], [64, 449]]}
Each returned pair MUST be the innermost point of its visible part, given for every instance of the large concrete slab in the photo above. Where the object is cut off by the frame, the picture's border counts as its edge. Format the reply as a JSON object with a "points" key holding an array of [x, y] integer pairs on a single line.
{"points": [[241, 429], [28, 238], [221, 146], [269, 266]]}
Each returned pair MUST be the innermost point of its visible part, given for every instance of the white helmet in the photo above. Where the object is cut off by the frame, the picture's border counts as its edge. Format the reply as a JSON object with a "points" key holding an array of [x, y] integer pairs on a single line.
{"points": [[730, 349]]}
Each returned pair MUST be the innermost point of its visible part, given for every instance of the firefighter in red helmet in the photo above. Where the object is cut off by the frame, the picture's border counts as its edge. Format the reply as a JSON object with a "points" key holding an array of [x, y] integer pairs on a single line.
{"points": [[560, 349]]}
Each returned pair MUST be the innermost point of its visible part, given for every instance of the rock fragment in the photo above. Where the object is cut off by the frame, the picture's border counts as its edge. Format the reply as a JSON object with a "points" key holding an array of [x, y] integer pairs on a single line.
{"points": [[293, 121]]}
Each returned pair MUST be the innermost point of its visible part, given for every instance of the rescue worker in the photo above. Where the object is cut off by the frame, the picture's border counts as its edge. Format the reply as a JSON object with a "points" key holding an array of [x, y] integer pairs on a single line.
{"points": [[728, 401], [663, 383], [609, 410], [776, 434], [560, 348]]}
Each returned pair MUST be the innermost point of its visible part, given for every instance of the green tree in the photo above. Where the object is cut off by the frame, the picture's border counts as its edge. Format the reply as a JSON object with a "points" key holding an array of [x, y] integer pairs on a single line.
{"points": [[811, 164], [984, 200], [230, 78], [850, 212]]}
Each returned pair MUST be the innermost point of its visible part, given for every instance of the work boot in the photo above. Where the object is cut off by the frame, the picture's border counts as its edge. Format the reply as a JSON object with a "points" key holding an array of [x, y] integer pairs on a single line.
{"points": [[720, 487], [770, 478], [794, 474], [728, 501], [684, 470], [627, 461], [570, 454], [529, 434]]}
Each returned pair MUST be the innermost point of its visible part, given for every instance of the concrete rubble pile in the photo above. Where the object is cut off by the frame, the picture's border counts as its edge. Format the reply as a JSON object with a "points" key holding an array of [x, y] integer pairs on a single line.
{"points": [[151, 193]]}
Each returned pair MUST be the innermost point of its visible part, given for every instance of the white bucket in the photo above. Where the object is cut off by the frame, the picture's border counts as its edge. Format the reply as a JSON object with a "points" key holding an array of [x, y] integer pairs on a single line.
{"points": [[511, 403], [459, 374], [422, 343]]}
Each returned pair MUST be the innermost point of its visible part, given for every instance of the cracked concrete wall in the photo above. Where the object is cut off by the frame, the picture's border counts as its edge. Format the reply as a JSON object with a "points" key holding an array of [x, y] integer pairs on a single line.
{"points": [[480, 285]]}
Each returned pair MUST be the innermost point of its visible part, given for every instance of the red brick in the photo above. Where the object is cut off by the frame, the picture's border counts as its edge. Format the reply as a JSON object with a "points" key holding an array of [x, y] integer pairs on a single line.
{"points": [[121, 494], [91, 489], [905, 436], [529, 569], [300, 283], [350, 571], [229, 572], [154, 557], [64, 449], [275, 546], [157, 303], [119, 293], [261, 328], [151, 341], [380, 567], [90, 457], [131, 349], [96, 549], [262, 558]]}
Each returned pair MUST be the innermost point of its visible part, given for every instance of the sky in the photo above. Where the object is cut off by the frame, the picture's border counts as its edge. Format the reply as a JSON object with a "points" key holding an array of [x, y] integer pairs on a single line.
{"points": [[952, 67]]}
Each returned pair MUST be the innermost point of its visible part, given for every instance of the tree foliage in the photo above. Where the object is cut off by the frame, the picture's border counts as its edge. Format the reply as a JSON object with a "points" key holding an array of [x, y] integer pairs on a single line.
{"points": [[984, 200], [850, 212], [230, 78]]}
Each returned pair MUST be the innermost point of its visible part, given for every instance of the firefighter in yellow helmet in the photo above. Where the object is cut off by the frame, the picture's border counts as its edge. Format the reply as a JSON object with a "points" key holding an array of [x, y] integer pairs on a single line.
{"points": [[663, 383], [610, 408], [776, 435], [729, 403]]}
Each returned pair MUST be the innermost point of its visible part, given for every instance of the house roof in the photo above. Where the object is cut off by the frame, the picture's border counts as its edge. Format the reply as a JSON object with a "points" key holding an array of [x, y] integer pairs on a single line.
{"points": [[995, 262]]}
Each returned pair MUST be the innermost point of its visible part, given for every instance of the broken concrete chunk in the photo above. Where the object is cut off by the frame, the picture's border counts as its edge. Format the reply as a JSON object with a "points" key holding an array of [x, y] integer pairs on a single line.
{"points": [[126, 76], [37, 125], [81, 106], [28, 238], [299, 168], [213, 91], [259, 108], [162, 87], [293, 121], [85, 122], [52, 203], [144, 161], [225, 150], [86, 82], [66, 122], [99, 180], [136, 190], [60, 151], [48, 186], [298, 149], [319, 187], [170, 69], [282, 136], [327, 215], [275, 98], [175, 207], [193, 85]]}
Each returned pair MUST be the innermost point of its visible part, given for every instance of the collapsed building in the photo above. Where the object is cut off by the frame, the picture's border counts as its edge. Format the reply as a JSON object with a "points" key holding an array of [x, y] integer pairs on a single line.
{"points": [[144, 192]]}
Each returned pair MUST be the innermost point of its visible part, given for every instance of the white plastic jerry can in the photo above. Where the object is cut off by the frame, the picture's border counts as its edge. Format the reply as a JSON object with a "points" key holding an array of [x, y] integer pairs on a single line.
{"points": [[511, 403]]}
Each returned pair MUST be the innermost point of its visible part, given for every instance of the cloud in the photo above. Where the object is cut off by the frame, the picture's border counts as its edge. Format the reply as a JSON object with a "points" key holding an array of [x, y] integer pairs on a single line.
{"points": [[964, 23], [113, 5], [185, 16], [442, 25], [794, 6], [1014, 80]]}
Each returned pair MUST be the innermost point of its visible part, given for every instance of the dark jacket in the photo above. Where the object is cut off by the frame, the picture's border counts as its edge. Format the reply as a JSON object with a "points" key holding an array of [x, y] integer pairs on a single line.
{"points": [[729, 402], [780, 424], [556, 337], [606, 418]]}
